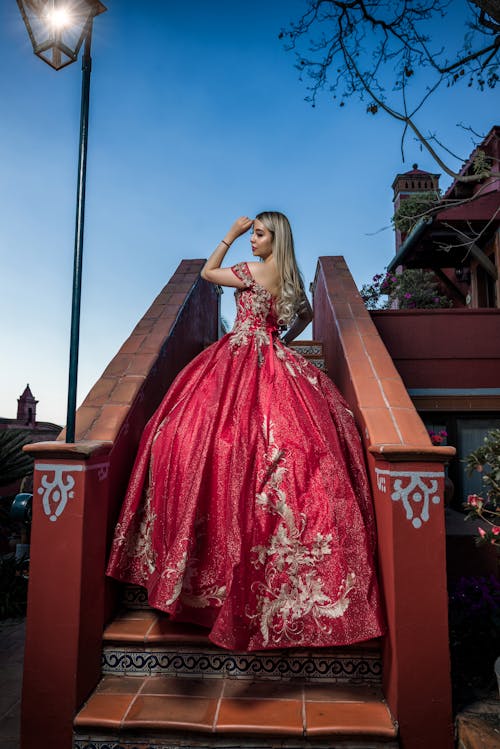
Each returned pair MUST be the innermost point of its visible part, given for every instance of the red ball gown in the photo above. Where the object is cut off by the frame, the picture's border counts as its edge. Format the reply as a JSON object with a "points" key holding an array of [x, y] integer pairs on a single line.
{"points": [[248, 510]]}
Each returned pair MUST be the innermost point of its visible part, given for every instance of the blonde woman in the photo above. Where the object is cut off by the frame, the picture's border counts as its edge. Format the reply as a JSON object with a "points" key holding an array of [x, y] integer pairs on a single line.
{"points": [[248, 510]]}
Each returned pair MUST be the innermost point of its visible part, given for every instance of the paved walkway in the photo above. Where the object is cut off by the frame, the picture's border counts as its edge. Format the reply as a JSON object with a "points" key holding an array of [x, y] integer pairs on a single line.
{"points": [[478, 726], [11, 677]]}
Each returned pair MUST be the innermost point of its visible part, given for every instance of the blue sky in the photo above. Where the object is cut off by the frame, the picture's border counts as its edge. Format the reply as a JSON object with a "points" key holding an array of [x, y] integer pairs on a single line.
{"points": [[197, 117]]}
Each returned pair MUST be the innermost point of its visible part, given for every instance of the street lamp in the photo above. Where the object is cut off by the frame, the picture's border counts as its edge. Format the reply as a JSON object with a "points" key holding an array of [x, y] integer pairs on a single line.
{"points": [[57, 29]]}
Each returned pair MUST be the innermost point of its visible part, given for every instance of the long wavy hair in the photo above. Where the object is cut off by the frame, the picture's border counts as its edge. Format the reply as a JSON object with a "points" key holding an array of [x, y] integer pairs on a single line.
{"points": [[291, 283]]}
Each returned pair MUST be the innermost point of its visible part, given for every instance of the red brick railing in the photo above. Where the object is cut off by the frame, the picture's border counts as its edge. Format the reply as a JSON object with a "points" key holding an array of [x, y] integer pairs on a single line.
{"points": [[407, 477], [77, 491]]}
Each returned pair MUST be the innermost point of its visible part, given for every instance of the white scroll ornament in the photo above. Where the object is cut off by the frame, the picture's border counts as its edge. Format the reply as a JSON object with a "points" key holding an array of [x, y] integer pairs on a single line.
{"points": [[416, 490], [58, 491]]}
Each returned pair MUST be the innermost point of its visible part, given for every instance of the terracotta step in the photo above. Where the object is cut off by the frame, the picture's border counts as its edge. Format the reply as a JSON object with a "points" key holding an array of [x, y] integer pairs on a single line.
{"points": [[144, 642], [156, 712]]}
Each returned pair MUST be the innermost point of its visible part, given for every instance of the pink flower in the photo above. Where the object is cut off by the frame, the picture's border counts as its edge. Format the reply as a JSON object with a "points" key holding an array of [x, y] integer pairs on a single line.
{"points": [[482, 532], [496, 530], [437, 438], [475, 501]]}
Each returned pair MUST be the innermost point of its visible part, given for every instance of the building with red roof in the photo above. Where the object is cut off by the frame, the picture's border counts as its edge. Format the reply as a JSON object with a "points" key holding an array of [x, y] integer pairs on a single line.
{"points": [[460, 238]]}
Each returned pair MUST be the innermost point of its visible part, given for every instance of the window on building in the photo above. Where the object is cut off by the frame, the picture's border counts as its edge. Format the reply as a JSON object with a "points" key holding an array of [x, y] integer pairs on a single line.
{"points": [[466, 433], [470, 435]]}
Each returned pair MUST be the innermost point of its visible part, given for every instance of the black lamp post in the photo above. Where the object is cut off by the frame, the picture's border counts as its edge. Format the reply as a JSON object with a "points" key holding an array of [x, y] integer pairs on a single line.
{"points": [[57, 29]]}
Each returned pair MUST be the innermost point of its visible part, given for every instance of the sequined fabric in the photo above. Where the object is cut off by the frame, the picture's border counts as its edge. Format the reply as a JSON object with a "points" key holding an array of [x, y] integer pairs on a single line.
{"points": [[248, 509]]}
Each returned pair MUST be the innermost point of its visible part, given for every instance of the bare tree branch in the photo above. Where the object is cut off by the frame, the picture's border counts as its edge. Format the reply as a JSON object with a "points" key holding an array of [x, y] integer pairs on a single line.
{"points": [[443, 204], [373, 48], [433, 137], [468, 239], [489, 8]]}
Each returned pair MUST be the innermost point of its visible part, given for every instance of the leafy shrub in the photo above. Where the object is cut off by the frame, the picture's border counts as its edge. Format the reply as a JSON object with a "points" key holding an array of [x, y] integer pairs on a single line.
{"points": [[13, 586], [414, 288], [486, 460]]}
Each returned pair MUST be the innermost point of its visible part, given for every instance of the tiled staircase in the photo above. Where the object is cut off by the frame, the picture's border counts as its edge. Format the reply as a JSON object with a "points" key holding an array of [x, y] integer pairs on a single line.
{"points": [[165, 685], [188, 692]]}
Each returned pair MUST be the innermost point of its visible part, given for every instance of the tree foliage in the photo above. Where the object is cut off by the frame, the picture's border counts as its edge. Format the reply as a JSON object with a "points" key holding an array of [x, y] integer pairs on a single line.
{"points": [[413, 208], [379, 49], [14, 463], [13, 587], [486, 460]]}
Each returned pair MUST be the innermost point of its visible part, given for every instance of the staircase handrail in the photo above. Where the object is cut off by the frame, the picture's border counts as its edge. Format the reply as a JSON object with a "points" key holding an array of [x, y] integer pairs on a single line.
{"points": [[407, 478]]}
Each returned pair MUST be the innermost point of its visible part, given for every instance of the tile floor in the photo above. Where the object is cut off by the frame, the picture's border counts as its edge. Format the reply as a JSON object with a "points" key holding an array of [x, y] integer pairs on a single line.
{"points": [[478, 725], [230, 706], [11, 670]]}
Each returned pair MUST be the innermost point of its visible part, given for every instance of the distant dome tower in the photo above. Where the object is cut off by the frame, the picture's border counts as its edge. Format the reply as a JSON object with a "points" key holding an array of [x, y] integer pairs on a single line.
{"points": [[407, 184], [26, 408]]}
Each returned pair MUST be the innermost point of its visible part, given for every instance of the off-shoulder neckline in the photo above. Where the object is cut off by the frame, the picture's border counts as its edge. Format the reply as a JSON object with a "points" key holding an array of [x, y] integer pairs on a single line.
{"points": [[256, 283]]}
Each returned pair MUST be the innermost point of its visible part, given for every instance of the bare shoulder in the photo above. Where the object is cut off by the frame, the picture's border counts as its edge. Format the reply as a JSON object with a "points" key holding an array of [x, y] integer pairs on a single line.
{"points": [[263, 271], [255, 268], [266, 274]]}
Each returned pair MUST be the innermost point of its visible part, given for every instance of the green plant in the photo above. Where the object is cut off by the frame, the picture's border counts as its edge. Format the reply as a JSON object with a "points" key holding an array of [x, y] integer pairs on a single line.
{"points": [[486, 460], [14, 463], [414, 208], [414, 288], [419, 289], [481, 163], [13, 586], [373, 292]]}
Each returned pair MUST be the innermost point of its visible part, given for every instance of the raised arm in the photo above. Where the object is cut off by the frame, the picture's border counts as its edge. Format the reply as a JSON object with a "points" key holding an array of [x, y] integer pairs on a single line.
{"points": [[300, 321], [212, 271]]}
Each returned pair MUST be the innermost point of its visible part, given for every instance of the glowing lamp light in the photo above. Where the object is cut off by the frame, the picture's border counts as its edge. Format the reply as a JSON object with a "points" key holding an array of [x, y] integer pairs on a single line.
{"points": [[59, 18], [57, 28]]}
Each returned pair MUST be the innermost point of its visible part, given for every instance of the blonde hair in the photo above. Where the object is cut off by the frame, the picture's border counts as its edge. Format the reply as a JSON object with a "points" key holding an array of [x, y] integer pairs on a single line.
{"points": [[291, 283]]}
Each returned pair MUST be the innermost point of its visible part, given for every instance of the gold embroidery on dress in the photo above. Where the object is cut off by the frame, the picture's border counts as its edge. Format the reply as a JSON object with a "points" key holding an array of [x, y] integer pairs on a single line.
{"points": [[293, 587], [214, 595], [252, 325], [296, 364], [178, 571], [184, 572], [139, 545]]}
